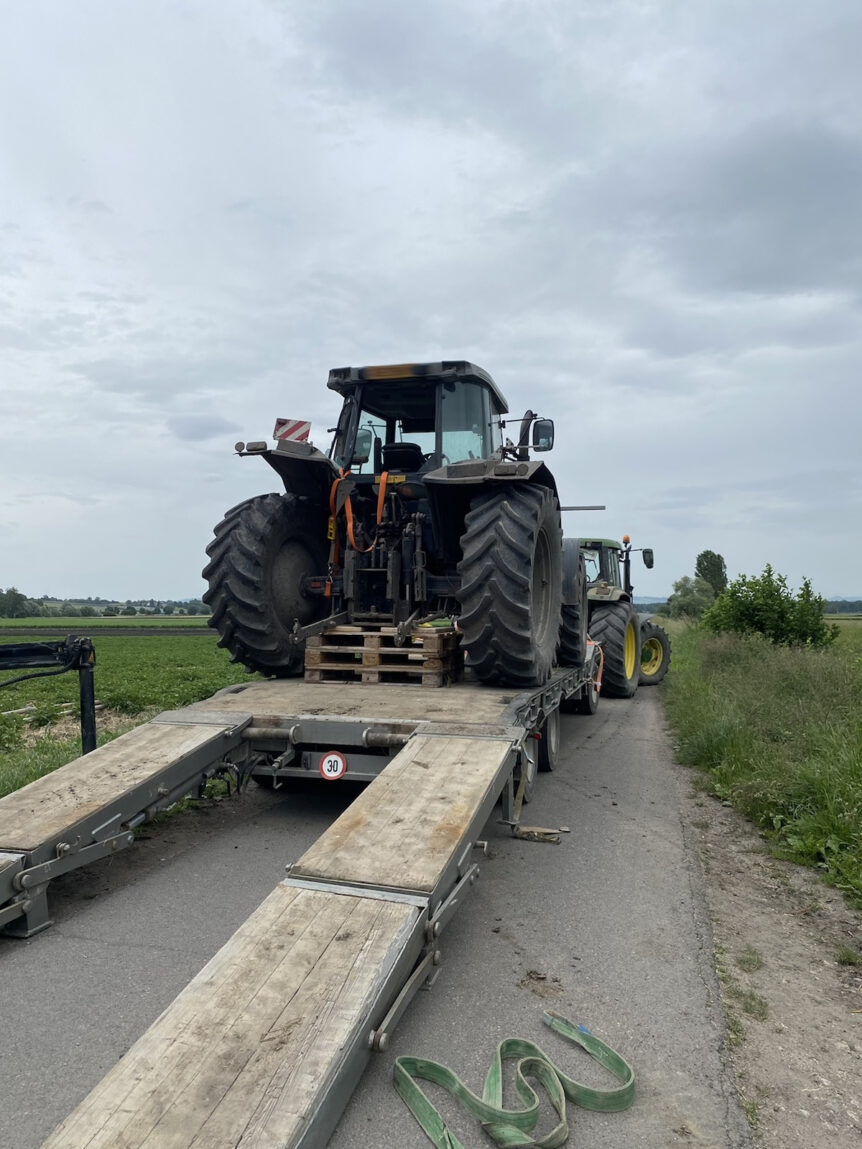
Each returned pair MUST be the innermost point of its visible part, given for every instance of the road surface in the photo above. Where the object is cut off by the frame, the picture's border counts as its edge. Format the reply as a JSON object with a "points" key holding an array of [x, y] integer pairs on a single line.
{"points": [[609, 928]]}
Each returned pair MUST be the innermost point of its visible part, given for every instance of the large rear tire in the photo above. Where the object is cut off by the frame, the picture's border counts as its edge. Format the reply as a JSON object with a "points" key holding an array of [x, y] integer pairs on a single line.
{"points": [[615, 627], [655, 654], [511, 584], [573, 629], [262, 550]]}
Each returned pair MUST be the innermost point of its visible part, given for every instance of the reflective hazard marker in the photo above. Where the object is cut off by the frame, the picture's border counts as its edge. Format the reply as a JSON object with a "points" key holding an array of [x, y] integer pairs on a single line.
{"points": [[294, 430], [333, 765]]}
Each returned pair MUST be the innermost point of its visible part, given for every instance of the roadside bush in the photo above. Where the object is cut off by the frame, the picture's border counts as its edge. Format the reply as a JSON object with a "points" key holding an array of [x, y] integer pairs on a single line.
{"points": [[766, 605], [775, 728]]}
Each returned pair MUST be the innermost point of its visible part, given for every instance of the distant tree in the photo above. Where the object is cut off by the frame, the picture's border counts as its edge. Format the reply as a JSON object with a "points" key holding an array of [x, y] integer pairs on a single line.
{"points": [[129, 610], [766, 605], [13, 603], [690, 598], [711, 567], [111, 611], [88, 611]]}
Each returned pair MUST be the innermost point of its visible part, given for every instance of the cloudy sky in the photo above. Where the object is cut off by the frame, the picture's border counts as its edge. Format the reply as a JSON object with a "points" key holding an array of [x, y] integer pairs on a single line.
{"points": [[641, 216]]}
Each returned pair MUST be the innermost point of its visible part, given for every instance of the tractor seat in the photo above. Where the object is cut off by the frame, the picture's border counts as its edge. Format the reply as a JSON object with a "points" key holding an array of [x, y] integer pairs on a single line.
{"points": [[402, 456]]}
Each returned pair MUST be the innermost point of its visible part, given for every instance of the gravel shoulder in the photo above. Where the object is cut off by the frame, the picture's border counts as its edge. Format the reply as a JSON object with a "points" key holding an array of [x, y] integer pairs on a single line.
{"points": [[794, 1010]]}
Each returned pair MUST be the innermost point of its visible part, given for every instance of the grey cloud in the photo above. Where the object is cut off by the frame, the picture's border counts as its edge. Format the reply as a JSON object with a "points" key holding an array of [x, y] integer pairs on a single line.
{"points": [[776, 208], [198, 428], [462, 66]]}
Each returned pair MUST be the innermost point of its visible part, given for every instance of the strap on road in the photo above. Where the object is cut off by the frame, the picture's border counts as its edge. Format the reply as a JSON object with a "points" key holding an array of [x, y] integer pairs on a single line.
{"points": [[512, 1127]]}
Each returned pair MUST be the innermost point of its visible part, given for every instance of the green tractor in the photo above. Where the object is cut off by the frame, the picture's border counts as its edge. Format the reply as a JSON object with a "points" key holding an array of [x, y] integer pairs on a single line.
{"points": [[421, 508], [636, 650]]}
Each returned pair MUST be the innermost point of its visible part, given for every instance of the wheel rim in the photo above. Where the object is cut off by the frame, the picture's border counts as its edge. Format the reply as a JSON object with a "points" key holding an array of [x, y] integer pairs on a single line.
{"points": [[631, 649], [540, 600], [651, 657], [291, 563]]}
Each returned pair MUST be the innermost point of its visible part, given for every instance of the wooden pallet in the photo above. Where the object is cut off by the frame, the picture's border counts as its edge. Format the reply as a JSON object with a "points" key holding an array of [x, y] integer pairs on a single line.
{"points": [[352, 654]]}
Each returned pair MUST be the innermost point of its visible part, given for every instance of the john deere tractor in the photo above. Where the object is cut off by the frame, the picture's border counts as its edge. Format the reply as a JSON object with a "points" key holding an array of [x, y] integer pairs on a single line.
{"points": [[636, 650], [421, 508]]}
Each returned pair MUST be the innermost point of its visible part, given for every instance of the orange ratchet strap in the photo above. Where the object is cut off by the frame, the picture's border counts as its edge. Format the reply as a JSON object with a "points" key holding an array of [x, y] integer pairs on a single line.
{"points": [[348, 511]]}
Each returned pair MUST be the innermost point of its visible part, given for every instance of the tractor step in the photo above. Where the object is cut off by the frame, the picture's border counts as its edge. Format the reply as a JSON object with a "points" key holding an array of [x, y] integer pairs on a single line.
{"points": [[354, 654]]}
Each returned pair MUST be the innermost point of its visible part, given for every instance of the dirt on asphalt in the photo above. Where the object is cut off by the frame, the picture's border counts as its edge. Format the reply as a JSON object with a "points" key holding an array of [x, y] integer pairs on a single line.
{"points": [[784, 946]]}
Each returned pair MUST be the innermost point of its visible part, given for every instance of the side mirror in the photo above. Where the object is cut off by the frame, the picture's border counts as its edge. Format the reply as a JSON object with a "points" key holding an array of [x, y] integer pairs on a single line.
{"points": [[362, 447], [648, 559], [543, 434]]}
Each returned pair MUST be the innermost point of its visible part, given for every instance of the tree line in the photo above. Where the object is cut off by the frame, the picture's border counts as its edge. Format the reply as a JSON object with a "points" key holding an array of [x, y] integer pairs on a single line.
{"points": [[15, 604]]}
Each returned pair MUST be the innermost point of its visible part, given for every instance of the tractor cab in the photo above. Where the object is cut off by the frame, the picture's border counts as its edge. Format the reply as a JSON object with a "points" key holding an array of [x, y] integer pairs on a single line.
{"points": [[415, 417], [608, 567]]}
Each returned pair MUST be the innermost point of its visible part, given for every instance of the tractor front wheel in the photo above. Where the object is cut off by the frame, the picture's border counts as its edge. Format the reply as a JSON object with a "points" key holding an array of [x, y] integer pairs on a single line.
{"points": [[262, 550], [615, 627], [511, 584], [655, 654]]}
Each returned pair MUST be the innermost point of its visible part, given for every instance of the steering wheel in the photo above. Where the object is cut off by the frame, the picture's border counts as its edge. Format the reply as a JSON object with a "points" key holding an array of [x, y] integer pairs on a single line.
{"points": [[431, 454]]}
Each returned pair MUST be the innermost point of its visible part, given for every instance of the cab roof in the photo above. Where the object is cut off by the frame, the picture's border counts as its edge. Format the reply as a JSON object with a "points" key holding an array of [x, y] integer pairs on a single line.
{"points": [[345, 379], [594, 544]]}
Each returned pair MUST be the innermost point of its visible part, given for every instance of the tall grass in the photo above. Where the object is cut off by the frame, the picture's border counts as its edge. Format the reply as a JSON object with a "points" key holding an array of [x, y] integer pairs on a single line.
{"points": [[778, 731]]}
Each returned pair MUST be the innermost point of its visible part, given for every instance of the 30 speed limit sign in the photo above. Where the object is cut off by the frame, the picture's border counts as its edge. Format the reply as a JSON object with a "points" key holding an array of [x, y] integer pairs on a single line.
{"points": [[333, 765]]}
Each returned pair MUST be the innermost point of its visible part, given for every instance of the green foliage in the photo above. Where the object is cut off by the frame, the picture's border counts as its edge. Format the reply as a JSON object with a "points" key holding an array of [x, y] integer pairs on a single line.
{"points": [[13, 603], [711, 568], [690, 598], [766, 605], [136, 676], [776, 730]]}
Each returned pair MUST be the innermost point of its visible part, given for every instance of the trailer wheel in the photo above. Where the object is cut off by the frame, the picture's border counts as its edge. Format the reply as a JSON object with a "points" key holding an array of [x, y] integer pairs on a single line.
{"points": [[511, 584], [655, 654], [615, 626], [588, 703], [549, 742], [262, 550]]}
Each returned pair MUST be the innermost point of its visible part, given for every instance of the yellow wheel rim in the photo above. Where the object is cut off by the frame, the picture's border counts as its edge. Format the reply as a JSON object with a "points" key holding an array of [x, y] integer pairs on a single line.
{"points": [[631, 649], [651, 657]]}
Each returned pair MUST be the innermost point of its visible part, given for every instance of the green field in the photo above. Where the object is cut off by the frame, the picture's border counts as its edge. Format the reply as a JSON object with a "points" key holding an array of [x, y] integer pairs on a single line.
{"points": [[135, 677], [777, 732], [64, 626]]}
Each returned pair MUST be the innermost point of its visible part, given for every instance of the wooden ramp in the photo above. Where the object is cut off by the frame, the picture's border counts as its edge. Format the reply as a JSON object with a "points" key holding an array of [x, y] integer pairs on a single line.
{"points": [[84, 810], [266, 1044], [244, 1054]]}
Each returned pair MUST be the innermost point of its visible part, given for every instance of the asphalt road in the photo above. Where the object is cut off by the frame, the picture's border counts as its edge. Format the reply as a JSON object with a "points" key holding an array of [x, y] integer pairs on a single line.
{"points": [[609, 928]]}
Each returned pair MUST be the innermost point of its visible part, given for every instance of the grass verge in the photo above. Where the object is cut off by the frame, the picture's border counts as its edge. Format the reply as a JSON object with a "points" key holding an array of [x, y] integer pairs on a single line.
{"points": [[778, 733]]}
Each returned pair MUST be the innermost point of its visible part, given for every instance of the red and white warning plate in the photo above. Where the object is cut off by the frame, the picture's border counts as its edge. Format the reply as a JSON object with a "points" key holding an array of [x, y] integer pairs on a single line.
{"points": [[333, 765], [296, 430]]}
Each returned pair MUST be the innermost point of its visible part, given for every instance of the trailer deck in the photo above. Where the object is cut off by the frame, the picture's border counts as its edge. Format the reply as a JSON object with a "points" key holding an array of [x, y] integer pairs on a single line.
{"points": [[266, 1044]]}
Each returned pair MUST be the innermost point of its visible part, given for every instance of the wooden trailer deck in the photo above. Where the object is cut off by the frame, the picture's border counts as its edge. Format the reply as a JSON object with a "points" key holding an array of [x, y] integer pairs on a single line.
{"points": [[266, 1044]]}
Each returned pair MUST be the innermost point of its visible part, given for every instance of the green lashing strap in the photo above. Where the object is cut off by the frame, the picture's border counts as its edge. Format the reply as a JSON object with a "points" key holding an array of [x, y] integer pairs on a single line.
{"points": [[511, 1127]]}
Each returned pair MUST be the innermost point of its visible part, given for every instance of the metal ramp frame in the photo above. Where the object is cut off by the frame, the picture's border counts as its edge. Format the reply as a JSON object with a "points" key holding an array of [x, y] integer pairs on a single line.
{"points": [[89, 808]]}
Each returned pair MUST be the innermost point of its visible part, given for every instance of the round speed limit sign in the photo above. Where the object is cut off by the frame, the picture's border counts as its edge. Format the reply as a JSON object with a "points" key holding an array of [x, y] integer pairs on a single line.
{"points": [[333, 765]]}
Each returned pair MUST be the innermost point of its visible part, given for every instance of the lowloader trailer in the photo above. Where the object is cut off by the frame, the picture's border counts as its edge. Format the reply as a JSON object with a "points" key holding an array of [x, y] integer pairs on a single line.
{"points": [[267, 1042]]}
